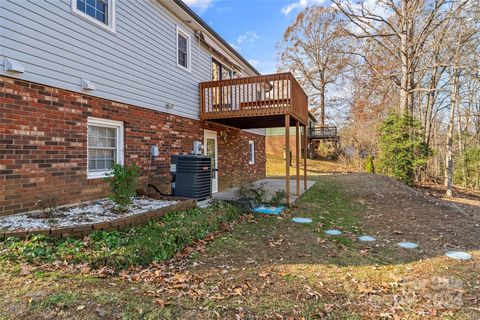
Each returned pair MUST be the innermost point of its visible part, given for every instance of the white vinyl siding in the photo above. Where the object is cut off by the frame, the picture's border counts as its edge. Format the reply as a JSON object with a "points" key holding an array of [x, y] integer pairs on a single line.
{"points": [[105, 146], [136, 65]]}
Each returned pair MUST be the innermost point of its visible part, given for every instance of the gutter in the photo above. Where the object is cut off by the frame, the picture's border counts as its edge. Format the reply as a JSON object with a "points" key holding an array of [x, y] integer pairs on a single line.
{"points": [[199, 20]]}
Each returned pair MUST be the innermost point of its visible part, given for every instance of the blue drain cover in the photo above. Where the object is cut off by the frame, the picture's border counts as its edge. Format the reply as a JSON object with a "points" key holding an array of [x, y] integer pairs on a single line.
{"points": [[268, 210], [458, 255], [408, 245], [333, 232], [302, 220], [366, 238]]}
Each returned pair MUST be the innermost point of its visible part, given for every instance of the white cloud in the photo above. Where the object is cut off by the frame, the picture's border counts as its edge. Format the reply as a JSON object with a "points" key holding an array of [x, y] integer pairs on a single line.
{"points": [[202, 5], [253, 62], [247, 37], [300, 4], [234, 46]]}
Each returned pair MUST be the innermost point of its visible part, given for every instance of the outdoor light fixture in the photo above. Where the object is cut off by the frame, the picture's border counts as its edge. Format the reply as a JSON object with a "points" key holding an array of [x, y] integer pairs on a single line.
{"points": [[223, 135], [88, 85], [169, 105], [13, 66]]}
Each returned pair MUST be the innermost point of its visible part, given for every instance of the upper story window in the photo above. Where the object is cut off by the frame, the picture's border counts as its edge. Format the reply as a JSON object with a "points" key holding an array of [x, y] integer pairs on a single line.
{"points": [[99, 12], [183, 49], [105, 146]]}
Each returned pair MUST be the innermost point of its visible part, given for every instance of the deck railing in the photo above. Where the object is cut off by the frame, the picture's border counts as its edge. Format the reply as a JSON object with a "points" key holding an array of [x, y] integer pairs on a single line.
{"points": [[323, 132], [275, 94]]}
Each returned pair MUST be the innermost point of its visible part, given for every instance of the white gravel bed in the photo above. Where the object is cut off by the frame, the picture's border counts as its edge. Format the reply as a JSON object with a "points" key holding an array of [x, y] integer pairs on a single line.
{"points": [[89, 213]]}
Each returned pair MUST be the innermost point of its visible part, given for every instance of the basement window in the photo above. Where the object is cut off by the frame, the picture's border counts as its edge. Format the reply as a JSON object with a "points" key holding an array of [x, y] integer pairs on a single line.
{"points": [[251, 152], [105, 146]]}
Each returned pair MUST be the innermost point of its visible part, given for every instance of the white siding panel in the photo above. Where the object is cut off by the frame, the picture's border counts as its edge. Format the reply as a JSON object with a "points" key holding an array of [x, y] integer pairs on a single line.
{"points": [[261, 132], [136, 65]]}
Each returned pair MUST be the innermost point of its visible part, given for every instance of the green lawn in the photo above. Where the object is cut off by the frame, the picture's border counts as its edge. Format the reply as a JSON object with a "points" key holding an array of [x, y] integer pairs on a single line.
{"points": [[264, 267]]}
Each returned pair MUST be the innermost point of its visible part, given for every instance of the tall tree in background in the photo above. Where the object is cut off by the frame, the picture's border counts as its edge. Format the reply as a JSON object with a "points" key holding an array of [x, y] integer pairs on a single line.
{"points": [[314, 49], [402, 29], [460, 59]]}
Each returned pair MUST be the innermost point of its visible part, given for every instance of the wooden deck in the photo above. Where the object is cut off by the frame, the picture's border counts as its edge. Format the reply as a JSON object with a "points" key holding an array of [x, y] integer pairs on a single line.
{"points": [[254, 102], [323, 133]]}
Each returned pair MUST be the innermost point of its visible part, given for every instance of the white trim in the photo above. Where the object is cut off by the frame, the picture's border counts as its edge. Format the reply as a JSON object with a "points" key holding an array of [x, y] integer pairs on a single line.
{"points": [[189, 49], [252, 151], [118, 125], [212, 135], [110, 26]]}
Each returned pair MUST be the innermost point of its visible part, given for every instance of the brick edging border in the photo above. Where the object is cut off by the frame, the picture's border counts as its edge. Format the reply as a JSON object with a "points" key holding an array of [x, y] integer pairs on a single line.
{"points": [[112, 225]]}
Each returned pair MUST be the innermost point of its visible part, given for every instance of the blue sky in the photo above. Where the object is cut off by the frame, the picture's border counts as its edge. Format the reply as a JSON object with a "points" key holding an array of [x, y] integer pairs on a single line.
{"points": [[253, 27]]}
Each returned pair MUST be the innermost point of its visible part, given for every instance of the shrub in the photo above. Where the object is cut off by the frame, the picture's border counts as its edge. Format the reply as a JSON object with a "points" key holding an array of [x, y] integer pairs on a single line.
{"points": [[467, 169], [48, 206], [250, 191], [278, 198], [368, 165], [402, 149], [123, 182]]}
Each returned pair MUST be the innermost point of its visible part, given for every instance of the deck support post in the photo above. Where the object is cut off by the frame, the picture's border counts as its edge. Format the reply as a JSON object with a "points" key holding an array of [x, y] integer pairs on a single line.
{"points": [[297, 155], [287, 160], [305, 153]]}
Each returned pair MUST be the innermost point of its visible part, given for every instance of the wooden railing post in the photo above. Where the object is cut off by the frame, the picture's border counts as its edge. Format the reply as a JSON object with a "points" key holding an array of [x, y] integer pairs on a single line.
{"points": [[297, 155], [287, 160], [305, 141]]}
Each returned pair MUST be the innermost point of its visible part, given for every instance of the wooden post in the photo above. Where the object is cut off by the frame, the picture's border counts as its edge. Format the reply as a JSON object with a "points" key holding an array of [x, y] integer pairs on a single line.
{"points": [[305, 157], [297, 154], [287, 160]]}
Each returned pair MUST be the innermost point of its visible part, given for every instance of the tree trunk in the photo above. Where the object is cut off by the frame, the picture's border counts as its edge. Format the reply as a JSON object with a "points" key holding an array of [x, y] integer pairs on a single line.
{"points": [[405, 78], [431, 97], [449, 144], [322, 105]]}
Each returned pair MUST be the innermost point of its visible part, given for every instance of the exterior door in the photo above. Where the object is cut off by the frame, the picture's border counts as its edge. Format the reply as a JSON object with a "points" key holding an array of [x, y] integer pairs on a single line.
{"points": [[211, 149], [221, 98]]}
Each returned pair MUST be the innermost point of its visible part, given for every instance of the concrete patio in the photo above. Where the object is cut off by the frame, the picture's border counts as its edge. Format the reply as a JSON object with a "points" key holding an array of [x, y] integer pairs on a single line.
{"points": [[271, 185]]}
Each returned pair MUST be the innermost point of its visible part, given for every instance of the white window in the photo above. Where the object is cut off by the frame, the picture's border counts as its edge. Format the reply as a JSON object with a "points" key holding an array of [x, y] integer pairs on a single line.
{"points": [[183, 49], [105, 146], [251, 152], [98, 12]]}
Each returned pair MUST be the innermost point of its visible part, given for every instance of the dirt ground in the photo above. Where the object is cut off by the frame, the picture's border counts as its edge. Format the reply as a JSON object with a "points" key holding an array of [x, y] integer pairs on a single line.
{"points": [[267, 267], [398, 213], [465, 199]]}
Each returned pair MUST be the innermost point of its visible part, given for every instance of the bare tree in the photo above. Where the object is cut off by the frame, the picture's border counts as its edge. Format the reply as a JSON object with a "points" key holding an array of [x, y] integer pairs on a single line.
{"points": [[314, 49], [402, 29], [461, 58]]}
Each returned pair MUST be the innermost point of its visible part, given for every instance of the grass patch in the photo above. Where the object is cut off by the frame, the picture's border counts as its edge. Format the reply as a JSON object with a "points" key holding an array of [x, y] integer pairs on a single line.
{"points": [[330, 207], [60, 300], [156, 241]]}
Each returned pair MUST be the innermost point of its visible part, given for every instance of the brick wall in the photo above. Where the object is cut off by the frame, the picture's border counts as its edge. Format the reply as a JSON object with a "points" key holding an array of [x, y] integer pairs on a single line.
{"points": [[43, 145], [274, 145]]}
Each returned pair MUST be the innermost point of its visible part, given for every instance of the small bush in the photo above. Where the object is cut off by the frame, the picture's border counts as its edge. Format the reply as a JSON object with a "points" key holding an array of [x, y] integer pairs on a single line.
{"points": [[278, 198], [123, 184], [250, 191], [48, 206], [369, 165], [156, 241]]}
